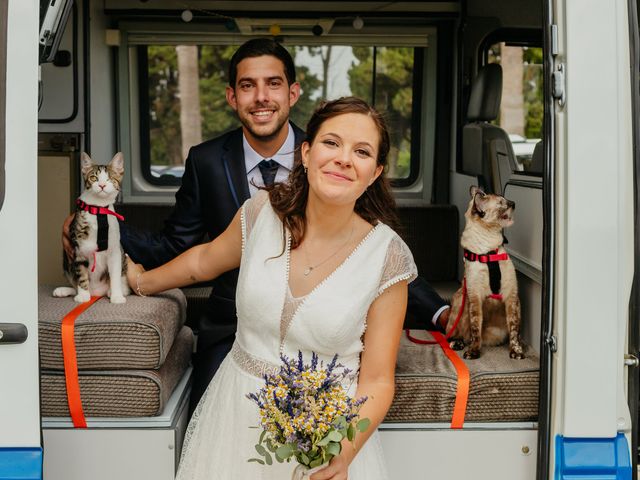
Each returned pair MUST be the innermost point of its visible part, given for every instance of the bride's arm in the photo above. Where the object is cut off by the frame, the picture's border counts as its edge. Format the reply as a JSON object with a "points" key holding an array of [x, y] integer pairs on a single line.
{"points": [[376, 379], [200, 263]]}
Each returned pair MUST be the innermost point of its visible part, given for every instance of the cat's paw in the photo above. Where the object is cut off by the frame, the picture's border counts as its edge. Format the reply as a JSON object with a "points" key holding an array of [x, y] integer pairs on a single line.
{"points": [[61, 292], [82, 297], [118, 299]]}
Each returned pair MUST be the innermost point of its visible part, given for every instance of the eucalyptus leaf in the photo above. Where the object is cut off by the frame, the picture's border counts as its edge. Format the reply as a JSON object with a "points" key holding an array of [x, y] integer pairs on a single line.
{"points": [[270, 445], [304, 458], [261, 450], [284, 452], [335, 436], [351, 432], [363, 424], [334, 448], [261, 462], [316, 463], [261, 439], [324, 441], [267, 458]]}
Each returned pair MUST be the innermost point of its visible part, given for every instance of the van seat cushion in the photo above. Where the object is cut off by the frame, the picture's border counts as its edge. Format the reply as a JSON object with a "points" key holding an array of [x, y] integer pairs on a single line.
{"points": [[501, 389], [134, 335], [120, 393]]}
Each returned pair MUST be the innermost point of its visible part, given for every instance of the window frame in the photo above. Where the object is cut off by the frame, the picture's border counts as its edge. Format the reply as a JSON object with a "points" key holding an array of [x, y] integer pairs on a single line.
{"points": [[515, 37], [141, 187]]}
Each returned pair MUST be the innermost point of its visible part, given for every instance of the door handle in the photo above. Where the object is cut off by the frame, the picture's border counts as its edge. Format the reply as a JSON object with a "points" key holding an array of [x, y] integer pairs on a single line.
{"points": [[13, 333]]}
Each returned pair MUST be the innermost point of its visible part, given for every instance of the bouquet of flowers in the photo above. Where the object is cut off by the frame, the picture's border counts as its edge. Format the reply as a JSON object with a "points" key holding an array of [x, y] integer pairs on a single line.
{"points": [[306, 413]]}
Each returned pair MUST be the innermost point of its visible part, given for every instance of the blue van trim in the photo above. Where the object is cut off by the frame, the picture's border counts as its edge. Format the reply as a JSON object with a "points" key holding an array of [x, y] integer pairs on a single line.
{"points": [[591, 458], [21, 463]]}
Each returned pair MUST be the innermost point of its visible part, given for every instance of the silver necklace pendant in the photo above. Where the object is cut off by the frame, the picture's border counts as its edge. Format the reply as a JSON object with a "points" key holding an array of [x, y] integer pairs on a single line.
{"points": [[307, 271]]}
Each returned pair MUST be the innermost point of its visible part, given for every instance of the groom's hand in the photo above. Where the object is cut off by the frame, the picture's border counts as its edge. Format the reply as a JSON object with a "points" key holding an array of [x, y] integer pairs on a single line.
{"points": [[338, 469]]}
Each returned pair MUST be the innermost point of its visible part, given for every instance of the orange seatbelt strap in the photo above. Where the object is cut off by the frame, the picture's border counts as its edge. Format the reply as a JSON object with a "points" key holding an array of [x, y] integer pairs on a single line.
{"points": [[462, 390], [71, 363], [462, 372]]}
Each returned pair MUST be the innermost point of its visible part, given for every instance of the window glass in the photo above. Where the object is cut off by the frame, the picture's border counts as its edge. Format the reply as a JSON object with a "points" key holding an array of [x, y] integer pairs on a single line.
{"points": [[183, 91], [521, 109]]}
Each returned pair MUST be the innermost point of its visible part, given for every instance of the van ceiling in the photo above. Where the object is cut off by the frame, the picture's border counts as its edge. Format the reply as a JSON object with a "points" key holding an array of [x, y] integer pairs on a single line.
{"points": [[288, 6]]}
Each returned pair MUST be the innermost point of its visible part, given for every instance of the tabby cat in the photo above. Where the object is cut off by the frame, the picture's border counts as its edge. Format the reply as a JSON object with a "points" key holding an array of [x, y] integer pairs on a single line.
{"points": [[99, 265]]}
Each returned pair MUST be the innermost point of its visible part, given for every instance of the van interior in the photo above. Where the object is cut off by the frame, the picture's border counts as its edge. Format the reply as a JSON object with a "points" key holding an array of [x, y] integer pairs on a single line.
{"points": [[461, 84]]}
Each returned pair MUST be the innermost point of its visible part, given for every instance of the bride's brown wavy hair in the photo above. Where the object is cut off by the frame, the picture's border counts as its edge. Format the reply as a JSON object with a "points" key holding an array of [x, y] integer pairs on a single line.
{"points": [[376, 204]]}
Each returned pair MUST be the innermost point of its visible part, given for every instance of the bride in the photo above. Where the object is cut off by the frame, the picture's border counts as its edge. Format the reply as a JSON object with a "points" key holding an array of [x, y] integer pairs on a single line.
{"points": [[321, 270]]}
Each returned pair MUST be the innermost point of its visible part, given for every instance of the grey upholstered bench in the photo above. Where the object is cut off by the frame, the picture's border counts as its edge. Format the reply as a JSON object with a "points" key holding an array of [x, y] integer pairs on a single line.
{"points": [[130, 356]]}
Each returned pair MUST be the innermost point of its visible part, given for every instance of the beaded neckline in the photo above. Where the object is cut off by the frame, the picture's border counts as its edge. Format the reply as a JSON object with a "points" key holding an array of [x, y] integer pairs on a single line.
{"points": [[304, 298]]}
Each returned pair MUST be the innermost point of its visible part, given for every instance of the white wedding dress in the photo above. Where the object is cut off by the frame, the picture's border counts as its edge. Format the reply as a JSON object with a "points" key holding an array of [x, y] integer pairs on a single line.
{"points": [[330, 319]]}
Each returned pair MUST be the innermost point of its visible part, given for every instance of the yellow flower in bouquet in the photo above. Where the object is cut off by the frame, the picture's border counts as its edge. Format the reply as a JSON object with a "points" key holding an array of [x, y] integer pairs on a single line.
{"points": [[305, 412]]}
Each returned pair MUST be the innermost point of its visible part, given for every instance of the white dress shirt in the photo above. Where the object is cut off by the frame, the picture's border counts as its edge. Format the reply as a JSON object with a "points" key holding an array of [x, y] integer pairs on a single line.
{"points": [[284, 156]]}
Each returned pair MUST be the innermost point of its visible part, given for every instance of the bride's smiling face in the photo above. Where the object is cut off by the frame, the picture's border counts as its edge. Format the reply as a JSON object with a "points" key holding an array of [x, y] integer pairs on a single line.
{"points": [[342, 160]]}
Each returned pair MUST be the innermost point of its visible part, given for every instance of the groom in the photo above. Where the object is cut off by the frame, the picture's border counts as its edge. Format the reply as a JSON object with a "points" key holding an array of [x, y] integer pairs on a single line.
{"points": [[220, 174]]}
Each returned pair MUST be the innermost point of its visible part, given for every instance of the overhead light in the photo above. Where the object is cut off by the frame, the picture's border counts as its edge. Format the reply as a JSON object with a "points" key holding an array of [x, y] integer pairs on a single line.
{"points": [[186, 15]]}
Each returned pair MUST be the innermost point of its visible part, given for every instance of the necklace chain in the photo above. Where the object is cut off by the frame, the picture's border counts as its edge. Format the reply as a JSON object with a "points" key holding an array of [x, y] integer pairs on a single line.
{"points": [[309, 268]]}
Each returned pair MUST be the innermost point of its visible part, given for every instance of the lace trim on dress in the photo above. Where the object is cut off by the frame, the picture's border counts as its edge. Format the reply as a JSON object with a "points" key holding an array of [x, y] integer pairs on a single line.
{"points": [[291, 305], [250, 364], [398, 265], [250, 211]]}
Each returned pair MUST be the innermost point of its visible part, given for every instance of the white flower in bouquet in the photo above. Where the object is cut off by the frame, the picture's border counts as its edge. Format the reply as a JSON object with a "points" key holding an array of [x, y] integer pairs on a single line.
{"points": [[305, 412]]}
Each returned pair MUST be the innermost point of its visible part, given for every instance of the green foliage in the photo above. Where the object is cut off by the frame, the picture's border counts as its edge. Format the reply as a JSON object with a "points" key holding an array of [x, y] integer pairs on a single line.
{"points": [[394, 96], [532, 87], [309, 83], [164, 108]]}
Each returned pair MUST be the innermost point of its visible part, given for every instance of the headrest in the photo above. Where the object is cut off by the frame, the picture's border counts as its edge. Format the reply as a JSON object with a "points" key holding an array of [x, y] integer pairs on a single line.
{"points": [[486, 93], [537, 158]]}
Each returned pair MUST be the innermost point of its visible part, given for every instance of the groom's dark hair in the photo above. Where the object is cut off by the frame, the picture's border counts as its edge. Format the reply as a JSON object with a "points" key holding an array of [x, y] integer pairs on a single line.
{"points": [[257, 48]]}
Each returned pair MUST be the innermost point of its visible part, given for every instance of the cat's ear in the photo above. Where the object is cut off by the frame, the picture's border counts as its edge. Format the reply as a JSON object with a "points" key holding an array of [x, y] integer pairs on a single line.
{"points": [[117, 163], [86, 163]]}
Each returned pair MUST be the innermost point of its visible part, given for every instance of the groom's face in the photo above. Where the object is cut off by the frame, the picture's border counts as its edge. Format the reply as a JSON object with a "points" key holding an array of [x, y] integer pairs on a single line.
{"points": [[262, 97]]}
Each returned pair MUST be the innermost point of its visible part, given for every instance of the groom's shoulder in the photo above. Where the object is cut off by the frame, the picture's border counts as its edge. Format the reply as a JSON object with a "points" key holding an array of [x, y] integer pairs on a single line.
{"points": [[222, 142]]}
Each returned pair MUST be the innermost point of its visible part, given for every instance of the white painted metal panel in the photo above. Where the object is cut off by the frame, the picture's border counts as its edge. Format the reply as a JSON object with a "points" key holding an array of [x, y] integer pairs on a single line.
{"points": [[100, 454], [19, 397], [595, 229], [460, 454], [118, 448]]}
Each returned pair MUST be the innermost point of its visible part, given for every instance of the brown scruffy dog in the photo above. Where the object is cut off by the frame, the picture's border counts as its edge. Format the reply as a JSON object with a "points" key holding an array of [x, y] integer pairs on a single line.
{"points": [[492, 308]]}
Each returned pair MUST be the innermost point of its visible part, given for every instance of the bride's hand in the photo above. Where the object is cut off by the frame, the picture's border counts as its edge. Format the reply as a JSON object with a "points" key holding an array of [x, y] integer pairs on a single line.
{"points": [[338, 469], [133, 270]]}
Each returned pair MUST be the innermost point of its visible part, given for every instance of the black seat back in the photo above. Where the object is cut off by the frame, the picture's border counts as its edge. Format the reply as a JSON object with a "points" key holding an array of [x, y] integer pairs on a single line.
{"points": [[486, 148]]}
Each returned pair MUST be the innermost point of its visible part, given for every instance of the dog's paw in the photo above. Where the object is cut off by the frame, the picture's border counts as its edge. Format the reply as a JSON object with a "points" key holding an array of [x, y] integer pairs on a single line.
{"points": [[118, 299], [457, 344], [471, 354], [82, 297]]}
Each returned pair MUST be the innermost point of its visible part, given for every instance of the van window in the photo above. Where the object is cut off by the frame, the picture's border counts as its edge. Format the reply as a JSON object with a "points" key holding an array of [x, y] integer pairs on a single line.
{"points": [[521, 109], [182, 91]]}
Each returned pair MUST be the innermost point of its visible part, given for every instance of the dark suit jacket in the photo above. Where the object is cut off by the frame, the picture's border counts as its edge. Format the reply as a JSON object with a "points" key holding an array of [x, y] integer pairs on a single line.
{"points": [[214, 186]]}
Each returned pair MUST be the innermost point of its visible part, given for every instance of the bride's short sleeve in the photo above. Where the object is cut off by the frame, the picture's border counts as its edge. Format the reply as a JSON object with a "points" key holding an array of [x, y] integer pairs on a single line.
{"points": [[398, 265], [250, 211]]}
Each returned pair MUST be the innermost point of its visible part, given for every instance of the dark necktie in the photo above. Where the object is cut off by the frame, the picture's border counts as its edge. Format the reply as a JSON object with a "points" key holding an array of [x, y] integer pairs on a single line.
{"points": [[268, 169]]}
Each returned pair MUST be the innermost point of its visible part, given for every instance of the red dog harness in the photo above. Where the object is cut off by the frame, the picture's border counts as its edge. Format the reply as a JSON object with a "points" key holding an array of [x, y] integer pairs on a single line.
{"points": [[491, 259]]}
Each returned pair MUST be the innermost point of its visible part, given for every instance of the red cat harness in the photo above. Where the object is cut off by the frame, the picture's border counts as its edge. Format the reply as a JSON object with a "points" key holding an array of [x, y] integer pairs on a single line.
{"points": [[491, 259], [103, 225]]}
